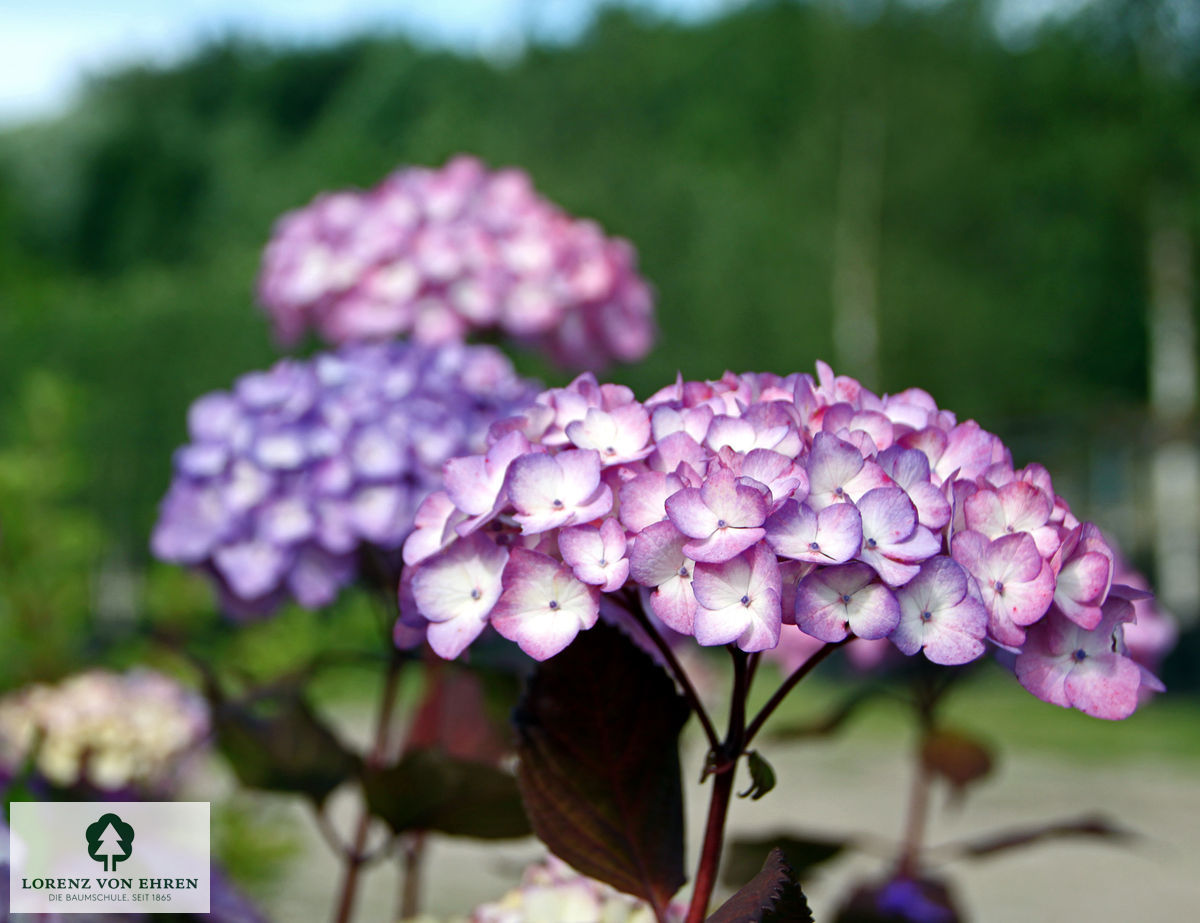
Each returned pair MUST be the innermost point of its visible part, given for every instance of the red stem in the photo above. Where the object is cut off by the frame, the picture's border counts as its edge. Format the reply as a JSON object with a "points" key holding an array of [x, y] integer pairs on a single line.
{"points": [[356, 856], [724, 763]]}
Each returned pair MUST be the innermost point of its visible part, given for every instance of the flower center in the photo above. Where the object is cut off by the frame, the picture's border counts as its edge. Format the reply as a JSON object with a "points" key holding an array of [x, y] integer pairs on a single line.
{"points": [[1080, 655], [683, 572], [839, 491], [846, 599], [870, 543], [720, 523], [554, 604], [745, 600], [926, 616], [557, 504], [475, 594], [998, 586], [814, 546]]}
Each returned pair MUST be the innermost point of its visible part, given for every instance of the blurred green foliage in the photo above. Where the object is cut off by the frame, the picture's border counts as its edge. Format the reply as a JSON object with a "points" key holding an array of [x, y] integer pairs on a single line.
{"points": [[1012, 226]]}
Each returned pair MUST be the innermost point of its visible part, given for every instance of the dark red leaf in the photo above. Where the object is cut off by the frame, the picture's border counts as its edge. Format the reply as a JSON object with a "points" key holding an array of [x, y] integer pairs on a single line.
{"points": [[430, 790], [743, 857], [772, 896], [453, 716], [598, 740], [956, 757]]}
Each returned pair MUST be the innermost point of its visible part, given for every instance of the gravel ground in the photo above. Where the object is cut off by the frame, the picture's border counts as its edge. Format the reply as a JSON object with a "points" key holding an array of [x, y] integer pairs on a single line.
{"points": [[850, 786]]}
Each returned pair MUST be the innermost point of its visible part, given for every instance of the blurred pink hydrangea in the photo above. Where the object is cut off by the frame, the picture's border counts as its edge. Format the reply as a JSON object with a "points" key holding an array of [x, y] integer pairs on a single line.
{"points": [[440, 253], [742, 509]]}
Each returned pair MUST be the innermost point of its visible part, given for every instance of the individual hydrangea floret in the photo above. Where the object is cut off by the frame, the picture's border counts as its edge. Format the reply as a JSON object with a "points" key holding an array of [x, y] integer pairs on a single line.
{"points": [[116, 733], [758, 507], [553, 892], [437, 254], [299, 472]]}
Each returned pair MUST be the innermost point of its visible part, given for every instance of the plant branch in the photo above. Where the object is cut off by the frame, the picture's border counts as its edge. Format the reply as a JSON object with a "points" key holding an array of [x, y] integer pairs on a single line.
{"points": [[355, 858], [724, 768], [789, 684]]}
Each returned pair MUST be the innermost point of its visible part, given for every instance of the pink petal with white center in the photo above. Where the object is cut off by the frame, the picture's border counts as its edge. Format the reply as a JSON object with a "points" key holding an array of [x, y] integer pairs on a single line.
{"points": [[675, 450], [552, 491], [476, 483], [834, 602], [909, 468], [694, 421], [657, 554], [619, 436], [725, 543], [457, 590], [657, 560], [435, 520], [543, 606], [970, 450], [832, 464], [1081, 587], [1104, 686], [734, 432], [888, 517], [832, 536], [778, 473], [1016, 585], [736, 504], [642, 501], [596, 555], [939, 615], [739, 601]]}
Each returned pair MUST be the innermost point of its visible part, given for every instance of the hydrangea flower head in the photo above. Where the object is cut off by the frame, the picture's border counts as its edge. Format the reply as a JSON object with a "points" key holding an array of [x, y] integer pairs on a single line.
{"points": [[741, 510], [439, 253], [109, 731], [298, 470], [553, 892]]}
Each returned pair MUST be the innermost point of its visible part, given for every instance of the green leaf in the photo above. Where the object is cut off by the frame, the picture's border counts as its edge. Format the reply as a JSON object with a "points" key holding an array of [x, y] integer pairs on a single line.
{"points": [[772, 896], [431, 790], [276, 742], [762, 776], [598, 730]]}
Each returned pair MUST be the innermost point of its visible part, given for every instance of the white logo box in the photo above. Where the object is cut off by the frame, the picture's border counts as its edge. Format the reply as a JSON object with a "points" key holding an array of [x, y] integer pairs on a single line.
{"points": [[165, 867]]}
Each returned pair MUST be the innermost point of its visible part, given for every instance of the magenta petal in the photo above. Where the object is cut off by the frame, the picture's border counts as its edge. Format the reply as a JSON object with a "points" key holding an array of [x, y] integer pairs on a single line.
{"points": [[723, 545], [1104, 686], [674, 602], [657, 554], [690, 514], [642, 501], [1044, 676], [888, 516]]}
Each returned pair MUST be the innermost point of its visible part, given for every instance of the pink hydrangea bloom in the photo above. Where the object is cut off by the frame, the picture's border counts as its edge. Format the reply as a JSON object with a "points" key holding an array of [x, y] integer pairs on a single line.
{"points": [[436, 254], [777, 513]]}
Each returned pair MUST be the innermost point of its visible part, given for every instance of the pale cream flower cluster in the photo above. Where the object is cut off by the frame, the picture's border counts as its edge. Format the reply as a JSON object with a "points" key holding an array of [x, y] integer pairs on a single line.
{"points": [[109, 730]]}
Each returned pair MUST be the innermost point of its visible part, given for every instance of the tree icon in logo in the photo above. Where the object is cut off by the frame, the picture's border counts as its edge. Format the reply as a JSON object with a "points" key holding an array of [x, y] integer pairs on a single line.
{"points": [[110, 840]]}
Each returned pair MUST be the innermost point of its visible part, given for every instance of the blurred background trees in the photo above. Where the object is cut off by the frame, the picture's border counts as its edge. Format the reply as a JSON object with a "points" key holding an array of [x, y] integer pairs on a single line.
{"points": [[977, 205]]}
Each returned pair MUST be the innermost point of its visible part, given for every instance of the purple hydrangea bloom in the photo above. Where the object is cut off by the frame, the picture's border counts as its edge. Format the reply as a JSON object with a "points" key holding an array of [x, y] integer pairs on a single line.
{"points": [[747, 509], [438, 253], [298, 470]]}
